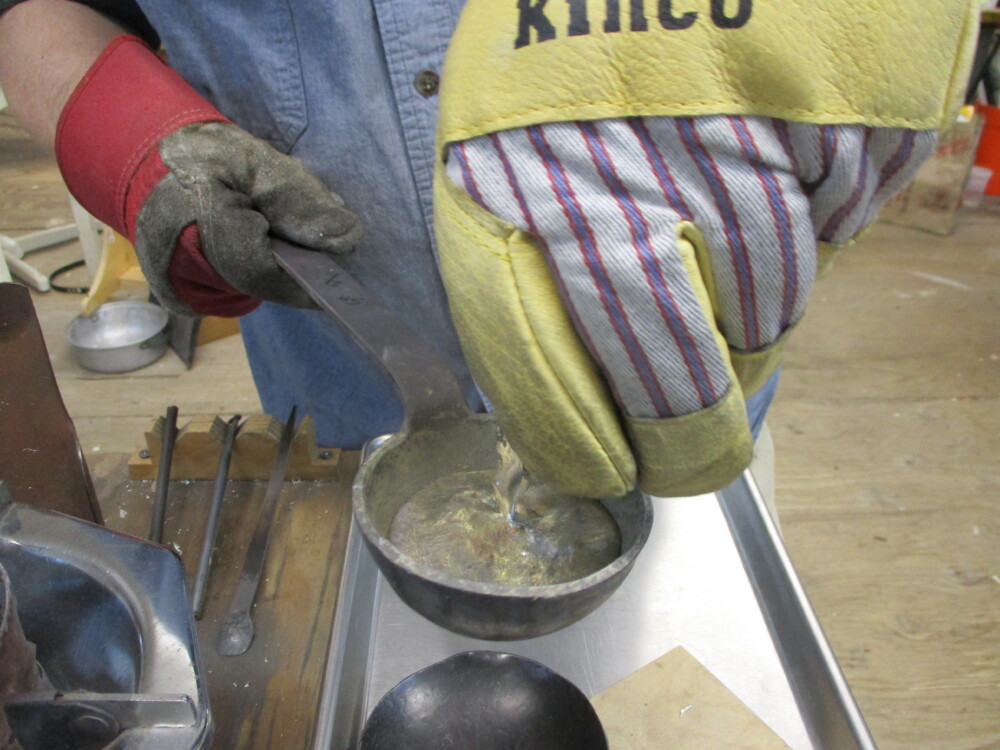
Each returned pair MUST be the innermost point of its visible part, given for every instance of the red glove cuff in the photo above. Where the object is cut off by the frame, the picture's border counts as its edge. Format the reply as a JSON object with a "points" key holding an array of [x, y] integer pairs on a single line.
{"points": [[106, 146], [121, 109], [197, 283]]}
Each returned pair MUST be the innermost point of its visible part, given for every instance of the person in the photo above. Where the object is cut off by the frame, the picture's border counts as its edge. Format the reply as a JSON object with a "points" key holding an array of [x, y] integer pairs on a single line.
{"points": [[333, 84], [315, 121]]}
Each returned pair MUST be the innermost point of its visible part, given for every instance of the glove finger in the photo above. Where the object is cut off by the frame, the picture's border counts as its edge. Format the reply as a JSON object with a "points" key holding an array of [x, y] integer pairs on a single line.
{"points": [[296, 204], [850, 171], [235, 239], [588, 192], [734, 180], [303, 210]]}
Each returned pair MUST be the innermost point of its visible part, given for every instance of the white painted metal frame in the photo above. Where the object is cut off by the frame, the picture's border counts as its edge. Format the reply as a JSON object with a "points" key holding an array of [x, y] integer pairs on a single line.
{"points": [[12, 251]]}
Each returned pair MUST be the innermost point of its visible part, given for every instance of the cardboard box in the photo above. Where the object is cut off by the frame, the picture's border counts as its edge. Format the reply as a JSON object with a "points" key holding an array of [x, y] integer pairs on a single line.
{"points": [[932, 199]]}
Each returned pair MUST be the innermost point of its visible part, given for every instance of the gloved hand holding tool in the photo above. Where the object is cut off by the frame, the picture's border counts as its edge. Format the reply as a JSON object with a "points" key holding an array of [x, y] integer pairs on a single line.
{"points": [[197, 196], [631, 212]]}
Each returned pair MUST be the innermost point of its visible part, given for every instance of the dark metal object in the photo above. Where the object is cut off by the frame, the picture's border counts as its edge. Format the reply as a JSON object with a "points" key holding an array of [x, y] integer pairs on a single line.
{"points": [[490, 611], [488, 701], [440, 437], [212, 528], [40, 456], [426, 385], [163, 474], [183, 336], [109, 617], [236, 630]]}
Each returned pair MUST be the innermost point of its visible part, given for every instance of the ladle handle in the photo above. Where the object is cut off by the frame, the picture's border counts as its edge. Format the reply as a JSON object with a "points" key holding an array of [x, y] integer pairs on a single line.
{"points": [[424, 380]]}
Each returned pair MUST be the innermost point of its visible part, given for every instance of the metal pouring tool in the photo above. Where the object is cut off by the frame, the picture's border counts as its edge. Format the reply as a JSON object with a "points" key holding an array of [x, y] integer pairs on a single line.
{"points": [[439, 437], [236, 630]]}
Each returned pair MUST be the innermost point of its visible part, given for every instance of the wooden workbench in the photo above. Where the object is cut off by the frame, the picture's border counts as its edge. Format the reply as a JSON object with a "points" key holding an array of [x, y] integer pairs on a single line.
{"points": [[267, 697]]}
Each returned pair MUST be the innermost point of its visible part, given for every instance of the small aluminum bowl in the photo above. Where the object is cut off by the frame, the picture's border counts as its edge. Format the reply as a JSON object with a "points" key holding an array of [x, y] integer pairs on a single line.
{"points": [[119, 336]]}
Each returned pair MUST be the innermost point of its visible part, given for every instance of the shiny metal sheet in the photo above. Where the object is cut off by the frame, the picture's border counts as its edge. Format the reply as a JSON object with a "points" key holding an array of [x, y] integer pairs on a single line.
{"points": [[713, 578], [110, 619]]}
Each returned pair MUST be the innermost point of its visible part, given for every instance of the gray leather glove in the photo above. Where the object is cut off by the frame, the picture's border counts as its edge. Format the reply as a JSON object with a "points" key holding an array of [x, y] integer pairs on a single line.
{"points": [[197, 196], [204, 226]]}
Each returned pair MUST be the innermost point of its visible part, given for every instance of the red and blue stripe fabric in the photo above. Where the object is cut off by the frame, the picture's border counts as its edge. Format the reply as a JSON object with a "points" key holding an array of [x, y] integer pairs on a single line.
{"points": [[607, 199]]}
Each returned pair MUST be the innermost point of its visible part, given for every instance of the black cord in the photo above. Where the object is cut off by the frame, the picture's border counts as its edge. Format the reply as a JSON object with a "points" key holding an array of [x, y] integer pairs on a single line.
{"points": [[67, 289]]}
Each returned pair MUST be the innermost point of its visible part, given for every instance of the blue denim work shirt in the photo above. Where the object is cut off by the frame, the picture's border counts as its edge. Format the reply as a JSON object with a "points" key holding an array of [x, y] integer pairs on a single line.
{"points": [[346, 86]]}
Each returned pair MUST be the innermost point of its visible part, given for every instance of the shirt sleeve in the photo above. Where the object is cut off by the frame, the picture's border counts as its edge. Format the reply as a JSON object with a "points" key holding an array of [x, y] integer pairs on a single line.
{"points": [[126, 12]]}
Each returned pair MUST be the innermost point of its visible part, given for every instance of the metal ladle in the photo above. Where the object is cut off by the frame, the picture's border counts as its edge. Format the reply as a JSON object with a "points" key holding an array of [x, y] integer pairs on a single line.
{"points": [[439, 437]]}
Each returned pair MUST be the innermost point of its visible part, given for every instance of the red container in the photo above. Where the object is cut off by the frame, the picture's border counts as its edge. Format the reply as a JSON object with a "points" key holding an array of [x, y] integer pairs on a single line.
{"points": [[988, 152]]}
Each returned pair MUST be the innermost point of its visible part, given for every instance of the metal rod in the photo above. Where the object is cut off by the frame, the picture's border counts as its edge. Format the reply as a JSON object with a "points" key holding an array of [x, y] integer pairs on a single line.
{"points": [[212, 528], [163, 475], [236, 630]]}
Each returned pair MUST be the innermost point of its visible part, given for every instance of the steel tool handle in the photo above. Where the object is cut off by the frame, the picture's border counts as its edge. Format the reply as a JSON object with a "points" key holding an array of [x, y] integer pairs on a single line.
{"points": [[212, 527], [426, 384], [236, 630], [163, 475]]}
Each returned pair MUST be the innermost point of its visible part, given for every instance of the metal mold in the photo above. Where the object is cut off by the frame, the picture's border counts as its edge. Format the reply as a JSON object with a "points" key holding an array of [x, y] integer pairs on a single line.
{"points": [[486, 700]]}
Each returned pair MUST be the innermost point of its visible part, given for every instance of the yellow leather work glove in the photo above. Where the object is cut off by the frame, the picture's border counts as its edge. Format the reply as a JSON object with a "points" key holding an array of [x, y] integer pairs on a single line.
{"points": [[627, 243]]}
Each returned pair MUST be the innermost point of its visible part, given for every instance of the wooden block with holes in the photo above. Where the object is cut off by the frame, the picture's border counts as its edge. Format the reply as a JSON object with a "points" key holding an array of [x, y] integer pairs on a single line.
{"points": [[199, 444]]}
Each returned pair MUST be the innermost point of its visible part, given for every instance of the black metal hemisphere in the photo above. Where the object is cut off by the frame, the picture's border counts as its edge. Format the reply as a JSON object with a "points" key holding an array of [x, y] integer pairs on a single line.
{"points": [[488, 701]]}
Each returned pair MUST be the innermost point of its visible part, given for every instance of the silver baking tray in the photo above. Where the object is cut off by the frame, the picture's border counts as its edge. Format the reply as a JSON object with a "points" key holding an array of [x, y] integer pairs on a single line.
{"points": [[714, 578]]}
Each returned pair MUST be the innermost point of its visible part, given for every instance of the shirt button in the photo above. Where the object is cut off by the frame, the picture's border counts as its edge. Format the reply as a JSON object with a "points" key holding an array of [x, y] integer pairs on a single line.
{"points": [[426, 82]]}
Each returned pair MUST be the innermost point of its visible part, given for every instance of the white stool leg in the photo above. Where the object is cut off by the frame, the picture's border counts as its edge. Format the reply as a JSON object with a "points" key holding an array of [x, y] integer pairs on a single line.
{"points": [[89, 230], [4, 271], [25, 272]]}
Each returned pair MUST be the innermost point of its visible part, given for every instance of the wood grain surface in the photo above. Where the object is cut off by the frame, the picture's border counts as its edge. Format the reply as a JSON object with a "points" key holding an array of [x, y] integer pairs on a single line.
{"points": [[265, 698], [675, 702], [887, 438]]}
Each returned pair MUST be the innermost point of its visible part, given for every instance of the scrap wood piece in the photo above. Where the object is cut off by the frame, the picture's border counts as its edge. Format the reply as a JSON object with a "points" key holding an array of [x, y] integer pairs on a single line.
{"points": [[675, 702], [199, 445]]}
